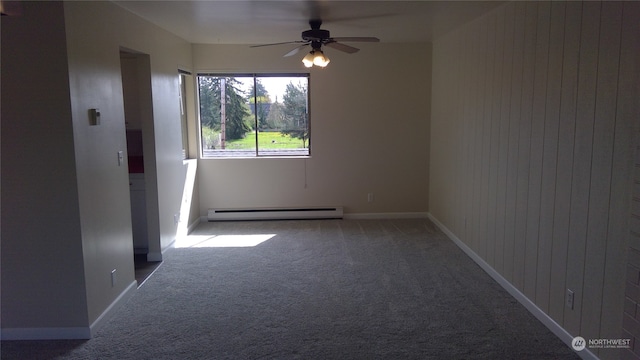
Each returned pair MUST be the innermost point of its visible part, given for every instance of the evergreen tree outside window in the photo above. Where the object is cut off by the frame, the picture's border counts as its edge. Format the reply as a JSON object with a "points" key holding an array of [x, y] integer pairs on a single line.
{"points": [[261, 115]]}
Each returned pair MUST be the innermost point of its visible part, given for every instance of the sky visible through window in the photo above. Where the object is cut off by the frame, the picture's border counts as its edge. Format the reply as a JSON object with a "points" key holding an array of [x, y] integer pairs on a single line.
{"points": [[275, 85]]}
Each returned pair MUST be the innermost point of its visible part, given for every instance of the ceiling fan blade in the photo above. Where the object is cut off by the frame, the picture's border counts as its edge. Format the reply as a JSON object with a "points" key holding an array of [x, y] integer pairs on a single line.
{"points": [[356, 39], [295, 51], [280, 43], [342, 47]]}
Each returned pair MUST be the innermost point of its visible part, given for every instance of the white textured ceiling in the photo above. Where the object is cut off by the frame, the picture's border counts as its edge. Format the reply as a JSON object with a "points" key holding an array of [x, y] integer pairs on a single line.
{"points": [[265, 21]]}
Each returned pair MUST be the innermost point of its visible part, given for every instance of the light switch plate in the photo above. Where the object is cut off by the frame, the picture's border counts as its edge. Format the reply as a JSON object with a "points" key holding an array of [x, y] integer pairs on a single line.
{"points": [[570, 298], [94, 116]]}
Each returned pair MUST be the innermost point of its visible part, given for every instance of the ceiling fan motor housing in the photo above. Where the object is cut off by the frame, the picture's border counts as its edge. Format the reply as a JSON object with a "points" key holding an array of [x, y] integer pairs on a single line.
{"points": [[316, 35]]}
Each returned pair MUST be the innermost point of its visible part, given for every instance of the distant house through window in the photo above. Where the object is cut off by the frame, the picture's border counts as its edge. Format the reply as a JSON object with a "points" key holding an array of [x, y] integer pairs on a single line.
{"points": [[261, 115]]}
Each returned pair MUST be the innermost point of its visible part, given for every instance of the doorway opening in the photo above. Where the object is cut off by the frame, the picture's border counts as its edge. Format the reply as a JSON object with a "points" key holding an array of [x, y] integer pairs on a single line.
{"points": [[138, 108]]}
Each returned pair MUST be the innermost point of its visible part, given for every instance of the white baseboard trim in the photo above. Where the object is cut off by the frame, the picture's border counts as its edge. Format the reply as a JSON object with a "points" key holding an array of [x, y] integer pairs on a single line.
{"points": [[362, 216], [545, 319], [50, 333], [154, 256], [116, 304], [159, 256], [378, 216], [69, 333], [195, 223]]}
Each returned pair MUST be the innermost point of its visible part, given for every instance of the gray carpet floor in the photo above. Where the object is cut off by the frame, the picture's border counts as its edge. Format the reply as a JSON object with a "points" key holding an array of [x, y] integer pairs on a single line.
{"points": [[320, 289]]}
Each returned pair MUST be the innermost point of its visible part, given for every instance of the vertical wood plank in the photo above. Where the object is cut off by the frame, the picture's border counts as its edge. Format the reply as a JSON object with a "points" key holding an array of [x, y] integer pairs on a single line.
{"points": [[437, 111], [537, 141], [566, 133], [601, 166], [480, 49], [581, 172], [627, 124], [452, 98], [486, 135], [470, 122], [454, 169], [460, 133], [550, 154], [441, 123], [503, 138], [524, 143], [494, 135], [514, 129]]}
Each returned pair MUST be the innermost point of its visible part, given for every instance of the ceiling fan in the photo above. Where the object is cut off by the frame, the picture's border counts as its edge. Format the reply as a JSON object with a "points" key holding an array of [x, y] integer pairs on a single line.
{"points": [[316, 38]]}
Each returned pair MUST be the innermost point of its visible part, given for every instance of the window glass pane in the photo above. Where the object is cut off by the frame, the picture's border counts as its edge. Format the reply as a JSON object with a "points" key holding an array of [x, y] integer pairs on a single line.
{"points": [[227, 127], [183, 114], [283, 116], [264, 115]]}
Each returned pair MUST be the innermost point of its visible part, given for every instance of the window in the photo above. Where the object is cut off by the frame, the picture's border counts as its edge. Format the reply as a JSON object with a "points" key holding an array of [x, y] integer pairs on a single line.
{"points": [[261, 115], [182, 80]]}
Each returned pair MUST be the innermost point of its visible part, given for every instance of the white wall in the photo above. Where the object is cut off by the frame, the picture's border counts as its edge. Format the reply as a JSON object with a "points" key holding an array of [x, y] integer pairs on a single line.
{"points": [[96, 31], [531, 132], [65, 200], [41, 240], [369, 124]]}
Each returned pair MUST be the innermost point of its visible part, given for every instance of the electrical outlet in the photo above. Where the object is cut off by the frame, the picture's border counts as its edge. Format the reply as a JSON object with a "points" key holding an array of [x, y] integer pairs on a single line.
{"points": [[569, 298], [113, 278], [370, 197], [176, 218]]}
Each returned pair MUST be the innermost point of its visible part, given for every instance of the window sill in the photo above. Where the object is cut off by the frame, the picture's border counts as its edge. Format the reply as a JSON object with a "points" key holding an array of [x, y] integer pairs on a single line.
{"points": [[255, 157], [251, 154]]}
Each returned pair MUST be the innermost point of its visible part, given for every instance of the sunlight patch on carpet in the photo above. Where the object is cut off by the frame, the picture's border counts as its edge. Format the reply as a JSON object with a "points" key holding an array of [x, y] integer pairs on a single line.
{"points": [[212, 241]]}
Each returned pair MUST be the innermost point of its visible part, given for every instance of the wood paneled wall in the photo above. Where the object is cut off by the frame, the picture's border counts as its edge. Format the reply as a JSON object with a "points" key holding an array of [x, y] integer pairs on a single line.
{"points": [[533, 111], [631, 317]]}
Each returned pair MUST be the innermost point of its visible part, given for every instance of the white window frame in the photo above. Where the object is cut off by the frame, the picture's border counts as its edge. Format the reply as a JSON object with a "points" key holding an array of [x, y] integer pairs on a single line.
{"points": [[256, 152]]}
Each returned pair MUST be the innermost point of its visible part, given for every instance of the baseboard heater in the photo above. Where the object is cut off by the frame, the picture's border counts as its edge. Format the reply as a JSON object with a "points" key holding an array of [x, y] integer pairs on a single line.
{"points": [[275, 213]]}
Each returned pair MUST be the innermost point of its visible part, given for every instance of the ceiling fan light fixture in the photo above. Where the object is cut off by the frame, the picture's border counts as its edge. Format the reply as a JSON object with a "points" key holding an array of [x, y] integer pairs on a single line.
{"points": [[308, 60], [319, 59], [315, 57]]}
